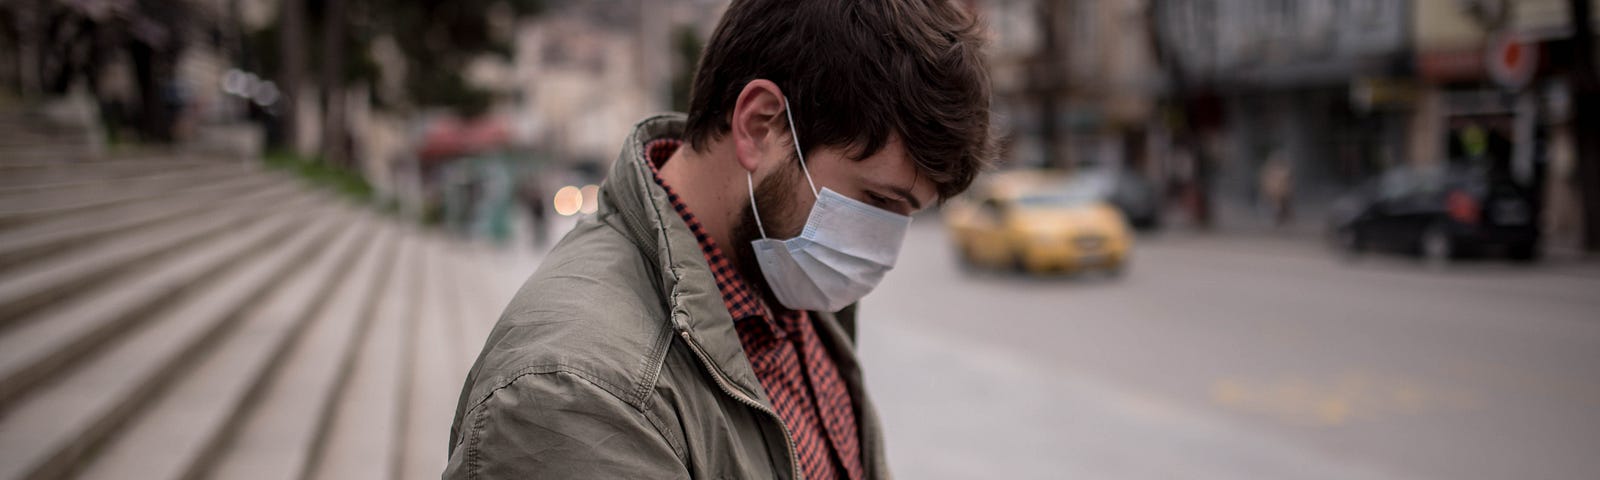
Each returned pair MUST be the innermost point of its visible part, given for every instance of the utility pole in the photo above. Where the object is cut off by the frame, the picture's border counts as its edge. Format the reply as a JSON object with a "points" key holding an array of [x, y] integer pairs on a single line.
{"points": [[1184, 16], [1045, 78]]}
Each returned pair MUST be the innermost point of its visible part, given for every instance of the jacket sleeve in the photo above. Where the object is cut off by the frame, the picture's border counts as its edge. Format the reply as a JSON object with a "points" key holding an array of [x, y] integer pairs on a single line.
{"points": [[560, 425]]}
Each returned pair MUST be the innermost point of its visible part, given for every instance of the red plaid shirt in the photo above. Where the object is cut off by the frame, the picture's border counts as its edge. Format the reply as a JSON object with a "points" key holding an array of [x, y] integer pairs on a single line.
{"points": [[788, 357]]}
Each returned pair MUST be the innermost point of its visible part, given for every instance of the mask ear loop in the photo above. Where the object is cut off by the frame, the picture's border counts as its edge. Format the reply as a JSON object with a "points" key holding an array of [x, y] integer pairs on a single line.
{"points": [[796, 137], [749, 185]]}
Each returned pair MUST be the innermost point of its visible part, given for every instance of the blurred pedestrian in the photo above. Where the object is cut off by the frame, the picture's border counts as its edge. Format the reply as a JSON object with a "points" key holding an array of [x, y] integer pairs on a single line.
{"points": [[1563, 222], [699, 325], [533, 200], [1277, 188]]}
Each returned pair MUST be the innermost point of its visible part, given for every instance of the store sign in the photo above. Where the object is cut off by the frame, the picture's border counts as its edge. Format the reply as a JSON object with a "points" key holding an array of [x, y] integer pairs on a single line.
{"points": [[1511, 60], [1379, 93]]}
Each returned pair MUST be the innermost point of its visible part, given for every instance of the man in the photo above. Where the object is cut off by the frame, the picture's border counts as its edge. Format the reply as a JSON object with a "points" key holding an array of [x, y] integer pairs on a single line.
{"points": [[689, 329]]}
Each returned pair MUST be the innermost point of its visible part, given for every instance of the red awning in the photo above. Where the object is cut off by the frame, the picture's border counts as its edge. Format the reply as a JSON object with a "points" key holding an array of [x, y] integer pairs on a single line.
{"points": [[1451, 65], [447, 138]]}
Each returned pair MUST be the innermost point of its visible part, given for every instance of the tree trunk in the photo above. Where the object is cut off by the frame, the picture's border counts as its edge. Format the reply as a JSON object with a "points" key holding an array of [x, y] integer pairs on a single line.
{"points": [[333, 105], [1586, 120], [30, 48], [155, 115], [292, 41]]}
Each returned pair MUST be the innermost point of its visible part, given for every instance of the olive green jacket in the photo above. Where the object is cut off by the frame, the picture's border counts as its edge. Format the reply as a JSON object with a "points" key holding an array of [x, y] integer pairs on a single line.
{"points": [[618, 358]]}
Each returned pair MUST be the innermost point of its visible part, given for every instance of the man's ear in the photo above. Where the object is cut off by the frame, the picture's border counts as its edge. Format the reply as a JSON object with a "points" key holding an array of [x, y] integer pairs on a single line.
{"points": [[757, 123]]}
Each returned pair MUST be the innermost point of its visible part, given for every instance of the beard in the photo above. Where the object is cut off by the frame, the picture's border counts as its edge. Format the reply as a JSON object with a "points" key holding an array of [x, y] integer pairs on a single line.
{"points": [[775, 197]]}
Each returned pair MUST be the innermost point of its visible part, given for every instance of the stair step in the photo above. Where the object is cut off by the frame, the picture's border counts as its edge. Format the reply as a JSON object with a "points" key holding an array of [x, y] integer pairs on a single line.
{"points": [[37, 152], [56, 175], [38, 284], [476, 309], [435, 374], [54, 429], [40, 128], [35, 137], [141, 155], [22, 203], [236, 184], [25, 180], [32, 132], [186, 428], [17, 216], [503, 271], [38, 348], [278, 437], [65, 232], [361, 440]]}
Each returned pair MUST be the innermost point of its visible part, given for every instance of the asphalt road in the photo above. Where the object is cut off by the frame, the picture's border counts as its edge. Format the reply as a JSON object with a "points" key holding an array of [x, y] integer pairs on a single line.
{"points": [[1237, 357]]}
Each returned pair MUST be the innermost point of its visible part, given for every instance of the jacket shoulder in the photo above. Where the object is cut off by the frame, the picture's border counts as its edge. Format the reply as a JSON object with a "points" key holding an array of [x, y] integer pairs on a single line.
{"points": [[593, 308], [554, 423]]}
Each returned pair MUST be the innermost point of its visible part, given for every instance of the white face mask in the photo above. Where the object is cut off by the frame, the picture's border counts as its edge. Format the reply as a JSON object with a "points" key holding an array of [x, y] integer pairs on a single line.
{"points": [[845, 249]]}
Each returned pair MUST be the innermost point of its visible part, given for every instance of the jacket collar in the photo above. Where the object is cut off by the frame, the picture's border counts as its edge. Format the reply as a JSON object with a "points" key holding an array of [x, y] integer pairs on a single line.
{"points": [[635, 202]]}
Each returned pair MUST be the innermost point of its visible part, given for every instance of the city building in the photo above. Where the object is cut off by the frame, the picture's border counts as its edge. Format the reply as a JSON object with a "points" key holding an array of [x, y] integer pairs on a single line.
{"points": [[1494, 92], [1304, 83]]}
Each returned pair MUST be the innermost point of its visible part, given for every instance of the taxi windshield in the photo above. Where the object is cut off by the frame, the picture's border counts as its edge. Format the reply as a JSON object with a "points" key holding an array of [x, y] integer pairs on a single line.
{"points": [[1064, 195]]}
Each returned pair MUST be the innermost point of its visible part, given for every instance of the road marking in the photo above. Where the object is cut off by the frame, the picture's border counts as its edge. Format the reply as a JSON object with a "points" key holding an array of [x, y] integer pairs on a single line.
{"points": [[1338, 400]]}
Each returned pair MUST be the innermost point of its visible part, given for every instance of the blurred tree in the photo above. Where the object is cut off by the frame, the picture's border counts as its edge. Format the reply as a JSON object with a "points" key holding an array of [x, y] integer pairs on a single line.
{"points": [[58, 44], [437, 38], [69, 48], [687, 45], [440, 38]]}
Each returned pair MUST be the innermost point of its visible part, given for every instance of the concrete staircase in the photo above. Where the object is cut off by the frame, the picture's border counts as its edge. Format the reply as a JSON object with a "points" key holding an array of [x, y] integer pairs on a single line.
{"points": [[184, 317]]}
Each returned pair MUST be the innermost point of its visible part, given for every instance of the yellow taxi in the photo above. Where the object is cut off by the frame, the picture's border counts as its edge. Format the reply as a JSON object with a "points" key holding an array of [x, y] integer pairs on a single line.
{"points": [[1037, 221]]}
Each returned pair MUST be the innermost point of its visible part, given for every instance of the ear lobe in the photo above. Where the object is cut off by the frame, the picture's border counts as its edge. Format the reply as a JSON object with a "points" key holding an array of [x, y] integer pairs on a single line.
{"points": [[755, 121], [747, 151]]}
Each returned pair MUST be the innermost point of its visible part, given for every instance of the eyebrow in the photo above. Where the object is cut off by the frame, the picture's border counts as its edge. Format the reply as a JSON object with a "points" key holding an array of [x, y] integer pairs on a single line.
{"points": [[906, 196]]}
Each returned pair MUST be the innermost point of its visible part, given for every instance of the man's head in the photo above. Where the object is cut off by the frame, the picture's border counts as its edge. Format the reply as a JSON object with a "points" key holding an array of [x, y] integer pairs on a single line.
{"points": [[860, 74], [889, 98]]}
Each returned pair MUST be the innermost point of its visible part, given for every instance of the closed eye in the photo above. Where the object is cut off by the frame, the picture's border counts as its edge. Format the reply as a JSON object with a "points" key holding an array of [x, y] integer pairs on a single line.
{"points": [[893, 204], [879, 200]]}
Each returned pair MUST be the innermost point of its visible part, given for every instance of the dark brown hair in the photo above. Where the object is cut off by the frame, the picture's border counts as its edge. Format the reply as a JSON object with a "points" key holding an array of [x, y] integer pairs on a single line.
{"points": [[855, 71]]}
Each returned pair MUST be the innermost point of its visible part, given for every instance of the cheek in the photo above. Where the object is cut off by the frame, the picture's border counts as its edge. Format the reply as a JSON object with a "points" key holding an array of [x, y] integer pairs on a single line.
{"points": [[785, 202], [795, 215], [791, 213]]}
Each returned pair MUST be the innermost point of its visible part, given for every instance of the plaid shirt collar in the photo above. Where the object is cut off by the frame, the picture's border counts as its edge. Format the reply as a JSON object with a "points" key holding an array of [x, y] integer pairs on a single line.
{"points": [[742, 300]]}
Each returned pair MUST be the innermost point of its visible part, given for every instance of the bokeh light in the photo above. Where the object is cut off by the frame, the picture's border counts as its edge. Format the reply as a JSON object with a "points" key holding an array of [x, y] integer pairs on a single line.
{"points": [[568, 200], [591, 198]]}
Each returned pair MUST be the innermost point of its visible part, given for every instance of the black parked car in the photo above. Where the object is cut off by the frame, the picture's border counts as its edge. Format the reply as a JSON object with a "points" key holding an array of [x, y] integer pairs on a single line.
{"points": [[1130, 192], [1439, 213]]}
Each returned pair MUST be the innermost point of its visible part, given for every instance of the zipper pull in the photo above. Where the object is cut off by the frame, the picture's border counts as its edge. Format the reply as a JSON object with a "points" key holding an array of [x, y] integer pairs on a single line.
{"points": [[680, 321]]}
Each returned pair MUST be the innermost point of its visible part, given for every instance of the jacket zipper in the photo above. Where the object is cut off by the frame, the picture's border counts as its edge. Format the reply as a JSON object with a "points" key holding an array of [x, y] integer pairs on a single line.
{"points": [[794, 463]]}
